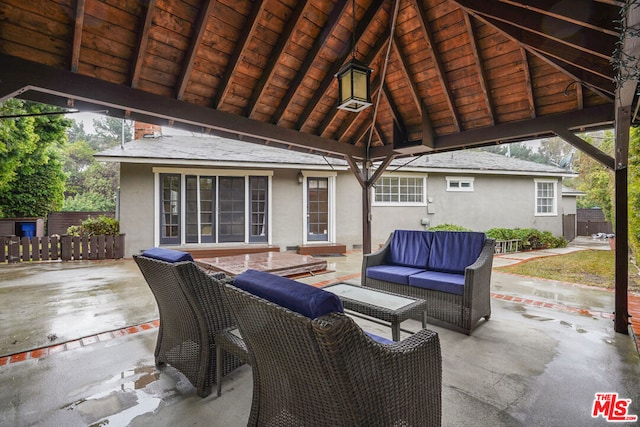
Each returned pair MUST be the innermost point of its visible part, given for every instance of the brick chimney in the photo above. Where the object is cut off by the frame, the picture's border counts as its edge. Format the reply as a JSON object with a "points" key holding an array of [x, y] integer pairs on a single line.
{"points": [[146, 130]]}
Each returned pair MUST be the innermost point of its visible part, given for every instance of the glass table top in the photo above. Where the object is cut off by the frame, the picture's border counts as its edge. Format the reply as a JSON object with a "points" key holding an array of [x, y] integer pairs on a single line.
{"points": [[370, 296]]}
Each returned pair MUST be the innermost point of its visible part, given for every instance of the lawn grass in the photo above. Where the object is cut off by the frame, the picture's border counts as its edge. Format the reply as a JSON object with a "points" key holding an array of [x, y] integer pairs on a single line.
{"points": [[588, 267]]}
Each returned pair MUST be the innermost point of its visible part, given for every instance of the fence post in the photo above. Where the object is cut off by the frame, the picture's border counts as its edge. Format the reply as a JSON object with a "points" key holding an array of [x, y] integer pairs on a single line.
{"points": [[55, 248], [14, 249], [26, 246], [35, 248], [76, 247], [65, 247], [46, 240], [119, 246], [100, 248]]}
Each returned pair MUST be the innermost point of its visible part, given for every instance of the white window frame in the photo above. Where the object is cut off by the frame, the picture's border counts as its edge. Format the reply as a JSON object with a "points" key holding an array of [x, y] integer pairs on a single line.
{"points": [[554, 207], [208, 172], [399, 203], [460, 180]]}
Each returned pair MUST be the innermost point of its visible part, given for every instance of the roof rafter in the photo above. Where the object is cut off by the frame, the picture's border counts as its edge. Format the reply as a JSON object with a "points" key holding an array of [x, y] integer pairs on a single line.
{"points": [[198, 31], [329, 78], [527, 81], [440, 71], [336, 14], [143, 40], [270, 67], [238, 53], [589, 40], [77, 36], [484, 84]]}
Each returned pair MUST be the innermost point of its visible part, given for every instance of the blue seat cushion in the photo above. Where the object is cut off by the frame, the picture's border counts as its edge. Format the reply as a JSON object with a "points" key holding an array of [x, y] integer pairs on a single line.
{"points": [[379, 339], [392, 273], [167, 255], [305, 299], [453, 251], [451, 283], [409, 248]]}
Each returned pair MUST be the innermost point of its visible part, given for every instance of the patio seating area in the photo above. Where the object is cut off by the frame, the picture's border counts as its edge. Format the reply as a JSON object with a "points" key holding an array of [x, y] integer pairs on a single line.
{"points": [[540, 359]]}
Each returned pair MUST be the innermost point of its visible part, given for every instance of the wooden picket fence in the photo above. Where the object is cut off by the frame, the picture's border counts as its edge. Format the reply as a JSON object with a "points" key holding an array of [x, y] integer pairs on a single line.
{"points": [[66, 248]]}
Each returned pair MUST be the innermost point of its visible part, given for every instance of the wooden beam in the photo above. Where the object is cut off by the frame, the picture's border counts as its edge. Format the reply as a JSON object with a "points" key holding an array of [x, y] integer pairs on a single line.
{"points": [[404, 69], [143, 40], [336, 14], [482, 76], [593, 117], [623, 125], [241, 46], [584, 146], [77, 36], [588, 40], [190, 57], [269, 69], [18, 76], [603, 86], [440, 71], [329, 78], [528, 83]]}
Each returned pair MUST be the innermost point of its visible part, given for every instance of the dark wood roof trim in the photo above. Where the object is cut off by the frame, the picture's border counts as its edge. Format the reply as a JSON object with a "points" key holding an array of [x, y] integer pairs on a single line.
{"points": [[269, 70], [542, 126], [335, 16], [603, 87], [596, 65], [77, 36], [241, 46], [198, 34], [584, 146], [329, 78], [141, 48], [440, 71], [591, 41], [482, 77], [19, 76], [592, 15]]}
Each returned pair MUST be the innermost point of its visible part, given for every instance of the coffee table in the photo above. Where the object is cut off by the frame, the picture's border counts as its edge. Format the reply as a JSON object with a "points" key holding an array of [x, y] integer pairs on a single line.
{"points": [[386, 306]]}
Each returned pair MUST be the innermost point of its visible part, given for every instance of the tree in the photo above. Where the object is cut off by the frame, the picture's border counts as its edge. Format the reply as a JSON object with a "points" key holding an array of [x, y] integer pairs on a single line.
{"points": [[109, 132], [31, 171]]}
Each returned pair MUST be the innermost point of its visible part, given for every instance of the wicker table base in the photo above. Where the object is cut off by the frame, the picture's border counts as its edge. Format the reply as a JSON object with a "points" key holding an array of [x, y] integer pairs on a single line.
{"points": [[386, 306]]}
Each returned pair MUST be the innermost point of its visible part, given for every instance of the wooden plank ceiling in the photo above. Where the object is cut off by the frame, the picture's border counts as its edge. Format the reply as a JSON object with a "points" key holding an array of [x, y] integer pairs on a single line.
{"points": [[447, 74]]}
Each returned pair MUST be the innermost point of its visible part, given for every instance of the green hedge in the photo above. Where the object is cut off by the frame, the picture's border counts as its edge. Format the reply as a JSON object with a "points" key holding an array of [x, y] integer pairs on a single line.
{"points": [[96, 226], [530, 237]]}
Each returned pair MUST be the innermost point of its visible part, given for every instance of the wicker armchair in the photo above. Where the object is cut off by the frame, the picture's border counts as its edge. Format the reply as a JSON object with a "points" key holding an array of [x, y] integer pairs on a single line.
{"points": [[192, 311], [327, 372]]}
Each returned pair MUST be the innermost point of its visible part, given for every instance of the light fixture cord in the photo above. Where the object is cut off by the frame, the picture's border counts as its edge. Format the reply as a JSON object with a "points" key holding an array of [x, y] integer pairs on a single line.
{"points": [[382, 77]]}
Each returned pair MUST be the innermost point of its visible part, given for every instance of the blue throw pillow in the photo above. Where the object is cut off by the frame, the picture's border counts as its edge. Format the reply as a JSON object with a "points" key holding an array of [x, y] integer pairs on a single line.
{"points": [[167, 255], [305, 299]]}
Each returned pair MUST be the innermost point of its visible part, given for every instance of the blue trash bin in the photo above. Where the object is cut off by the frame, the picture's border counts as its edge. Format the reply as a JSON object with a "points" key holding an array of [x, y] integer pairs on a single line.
{"points": [[28, 229]]}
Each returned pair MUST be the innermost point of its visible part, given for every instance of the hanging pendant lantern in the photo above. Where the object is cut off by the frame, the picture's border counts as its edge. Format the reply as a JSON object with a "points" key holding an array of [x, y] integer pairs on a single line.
{"points": [[353, 86]]}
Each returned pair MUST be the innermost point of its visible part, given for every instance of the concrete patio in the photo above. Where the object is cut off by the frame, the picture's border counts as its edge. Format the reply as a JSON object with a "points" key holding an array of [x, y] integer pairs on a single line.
{"points": [[547, 350]]}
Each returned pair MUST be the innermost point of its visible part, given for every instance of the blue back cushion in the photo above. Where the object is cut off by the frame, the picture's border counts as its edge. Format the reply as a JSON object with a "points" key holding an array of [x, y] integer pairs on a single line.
{"points": [[453, 251], [305, 299], [409, 248], [167, 255]]}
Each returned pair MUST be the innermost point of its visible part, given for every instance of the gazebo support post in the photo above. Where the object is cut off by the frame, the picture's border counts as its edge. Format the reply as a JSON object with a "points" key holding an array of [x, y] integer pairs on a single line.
{"points": [[623, 124]]}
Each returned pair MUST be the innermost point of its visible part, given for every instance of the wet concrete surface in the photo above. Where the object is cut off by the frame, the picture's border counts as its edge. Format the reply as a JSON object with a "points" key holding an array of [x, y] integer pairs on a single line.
{"points": [[527, 366], [48, 303]]}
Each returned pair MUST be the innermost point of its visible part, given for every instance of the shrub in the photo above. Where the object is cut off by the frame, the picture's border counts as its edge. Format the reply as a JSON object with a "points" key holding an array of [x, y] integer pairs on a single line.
{"points": [[96, 226], [448, 227], [530, 237]]}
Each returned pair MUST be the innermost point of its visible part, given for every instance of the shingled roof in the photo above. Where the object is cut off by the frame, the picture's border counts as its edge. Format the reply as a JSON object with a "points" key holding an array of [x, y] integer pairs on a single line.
{"points": [[217, 151]]}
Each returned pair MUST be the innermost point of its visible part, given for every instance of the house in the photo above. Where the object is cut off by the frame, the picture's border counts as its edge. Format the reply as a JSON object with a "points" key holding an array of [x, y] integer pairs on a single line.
{"points": [[208, 191]]}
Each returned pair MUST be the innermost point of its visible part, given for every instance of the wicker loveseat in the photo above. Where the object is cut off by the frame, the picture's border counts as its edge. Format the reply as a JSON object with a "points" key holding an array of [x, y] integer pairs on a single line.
{"points": [[192, 311], [451, 270], [314, 366]]}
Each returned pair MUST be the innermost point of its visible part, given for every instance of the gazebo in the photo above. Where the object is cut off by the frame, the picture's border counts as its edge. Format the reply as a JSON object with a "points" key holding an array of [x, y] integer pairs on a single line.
{"points": [[438, 75]]}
